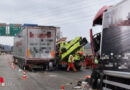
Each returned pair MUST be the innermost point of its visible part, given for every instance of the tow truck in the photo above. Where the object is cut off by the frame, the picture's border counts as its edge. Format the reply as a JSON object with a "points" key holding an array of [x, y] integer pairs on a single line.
{"points": [[74, 47], [113, 71]]}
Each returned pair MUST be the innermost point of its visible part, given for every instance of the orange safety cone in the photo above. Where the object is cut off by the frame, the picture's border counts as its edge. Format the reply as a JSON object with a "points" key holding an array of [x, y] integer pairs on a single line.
{"points": [[2, 81], [88, 76], [24, 76], [62, 87]]}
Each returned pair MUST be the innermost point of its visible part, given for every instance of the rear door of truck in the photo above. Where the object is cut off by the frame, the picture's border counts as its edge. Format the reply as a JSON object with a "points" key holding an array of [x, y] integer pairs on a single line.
{"points": [[41, 43]]}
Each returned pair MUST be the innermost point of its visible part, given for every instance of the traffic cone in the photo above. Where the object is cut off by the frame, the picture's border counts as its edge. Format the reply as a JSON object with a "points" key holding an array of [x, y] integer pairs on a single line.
{"points": [[2, 81], [88, 76], [3, 84], [9, 62], [24, 76], [62, 87], [13, 66]]}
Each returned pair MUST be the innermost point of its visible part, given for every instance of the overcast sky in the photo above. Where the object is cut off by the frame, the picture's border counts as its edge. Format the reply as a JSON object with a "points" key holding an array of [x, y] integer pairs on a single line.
{"points": [[73, 16]]}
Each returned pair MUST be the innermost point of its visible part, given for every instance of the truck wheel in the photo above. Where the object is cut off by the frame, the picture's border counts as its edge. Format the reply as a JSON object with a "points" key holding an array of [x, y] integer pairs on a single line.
{"points": [[100, 84], [50, 66], [23, 66], [95, 77], [94, 83], [78, 65], [19, 64], [44, 67], [14, 61], [78, 68]]}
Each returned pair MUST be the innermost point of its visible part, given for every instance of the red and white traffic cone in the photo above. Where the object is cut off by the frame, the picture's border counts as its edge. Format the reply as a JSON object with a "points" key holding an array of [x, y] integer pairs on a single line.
{"points": [[13, 66], [2, 81], [9, 62], [24, 76], [62, 87]]}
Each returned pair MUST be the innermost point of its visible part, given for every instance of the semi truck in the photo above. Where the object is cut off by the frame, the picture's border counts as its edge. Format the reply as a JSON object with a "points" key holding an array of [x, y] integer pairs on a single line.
{"points": [[35, 46], [74, 47], [113, 71]]}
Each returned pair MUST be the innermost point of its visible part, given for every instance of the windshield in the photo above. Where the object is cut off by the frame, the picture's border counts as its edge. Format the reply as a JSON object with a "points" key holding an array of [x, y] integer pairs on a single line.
{"points": [[117, 15]]}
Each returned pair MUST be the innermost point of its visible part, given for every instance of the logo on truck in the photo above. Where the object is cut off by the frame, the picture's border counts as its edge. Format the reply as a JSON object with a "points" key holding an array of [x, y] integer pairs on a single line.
{"points": [[40, 35]]}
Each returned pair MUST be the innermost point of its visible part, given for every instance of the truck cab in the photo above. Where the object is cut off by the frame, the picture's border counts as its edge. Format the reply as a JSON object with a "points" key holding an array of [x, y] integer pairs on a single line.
{"points": [[113, 72]]}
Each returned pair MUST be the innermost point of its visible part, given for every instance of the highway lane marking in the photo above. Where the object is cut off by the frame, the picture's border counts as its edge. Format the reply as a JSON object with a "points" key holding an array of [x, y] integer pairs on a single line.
{"points": [[14, 67], [52, 75], [8, 60]]}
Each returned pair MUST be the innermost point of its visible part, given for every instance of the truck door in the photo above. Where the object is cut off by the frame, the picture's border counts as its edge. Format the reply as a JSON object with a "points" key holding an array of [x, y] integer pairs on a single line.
{"points": [[41, 43]]}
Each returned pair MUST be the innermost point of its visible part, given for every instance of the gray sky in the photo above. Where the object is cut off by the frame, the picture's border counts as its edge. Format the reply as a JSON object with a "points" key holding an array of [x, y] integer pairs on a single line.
{"points": [[73, 16]]}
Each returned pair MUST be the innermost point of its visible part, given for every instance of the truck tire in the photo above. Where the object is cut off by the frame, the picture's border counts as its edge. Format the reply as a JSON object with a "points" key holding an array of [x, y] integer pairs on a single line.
{"points": [[78, 65], [21, 64], [94, 80], [79, 68], [94, 83], [100, 83], [15, 60], [44, 67]]}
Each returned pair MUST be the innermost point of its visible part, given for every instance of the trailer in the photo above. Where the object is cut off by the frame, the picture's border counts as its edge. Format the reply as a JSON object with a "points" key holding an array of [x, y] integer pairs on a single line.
{"points": [[113, 71], [35, 46]]}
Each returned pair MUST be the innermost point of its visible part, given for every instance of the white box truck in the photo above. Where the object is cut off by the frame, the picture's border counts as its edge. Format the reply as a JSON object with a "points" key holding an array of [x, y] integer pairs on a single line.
{"points": [[35, 46]]}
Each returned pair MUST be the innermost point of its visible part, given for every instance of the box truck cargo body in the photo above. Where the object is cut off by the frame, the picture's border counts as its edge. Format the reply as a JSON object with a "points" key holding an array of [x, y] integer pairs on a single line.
{"points": [[35, 45]]}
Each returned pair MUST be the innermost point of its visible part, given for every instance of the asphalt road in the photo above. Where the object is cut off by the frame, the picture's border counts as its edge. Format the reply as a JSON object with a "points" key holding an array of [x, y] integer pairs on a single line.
{"points": [[38, 80]]}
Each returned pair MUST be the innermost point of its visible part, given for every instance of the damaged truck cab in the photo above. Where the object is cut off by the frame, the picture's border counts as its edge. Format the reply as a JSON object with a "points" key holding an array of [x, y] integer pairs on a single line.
{"points": [[113, 72]]}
